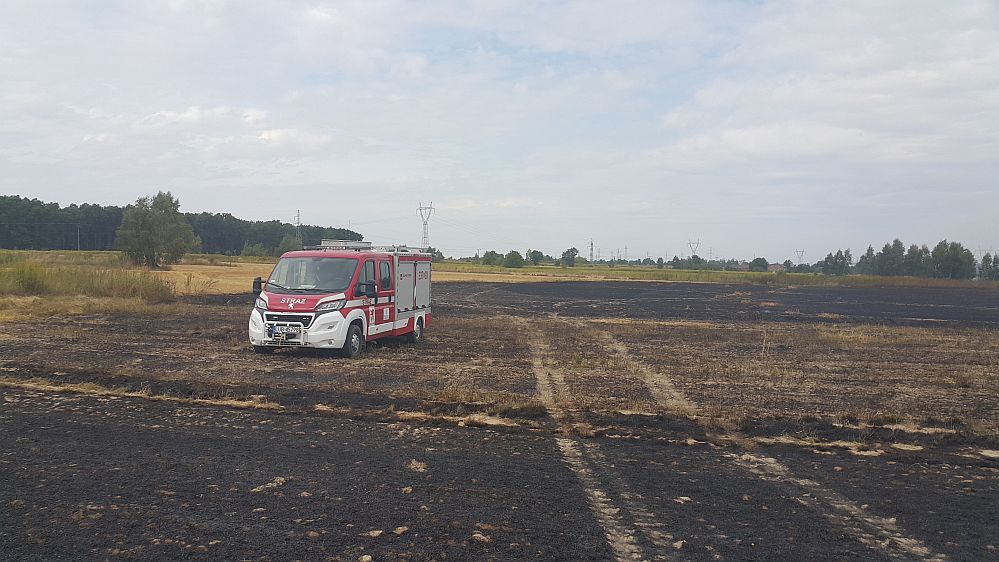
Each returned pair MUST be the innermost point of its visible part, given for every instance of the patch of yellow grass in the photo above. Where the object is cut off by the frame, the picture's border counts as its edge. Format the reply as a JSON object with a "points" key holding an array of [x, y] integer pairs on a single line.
{"points": [[13, 308], [851, 446], [217, 279], [45, 385]]}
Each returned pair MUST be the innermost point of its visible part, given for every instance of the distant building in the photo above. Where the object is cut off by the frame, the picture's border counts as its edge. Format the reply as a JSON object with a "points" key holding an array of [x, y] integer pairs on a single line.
{"points": [[741, 266], [776, 268]]}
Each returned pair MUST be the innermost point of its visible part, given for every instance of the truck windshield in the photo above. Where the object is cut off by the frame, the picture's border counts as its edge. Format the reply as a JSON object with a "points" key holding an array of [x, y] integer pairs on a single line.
{"points": [[316, 275]]}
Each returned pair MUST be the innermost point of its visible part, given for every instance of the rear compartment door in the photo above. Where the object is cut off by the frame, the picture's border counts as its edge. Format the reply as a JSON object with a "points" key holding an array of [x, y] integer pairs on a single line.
{"points": [[405, 286], [422, 284]]}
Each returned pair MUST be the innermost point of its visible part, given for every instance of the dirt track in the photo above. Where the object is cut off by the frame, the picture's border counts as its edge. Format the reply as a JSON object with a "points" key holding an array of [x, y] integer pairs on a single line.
{"points": [[607, 450]]}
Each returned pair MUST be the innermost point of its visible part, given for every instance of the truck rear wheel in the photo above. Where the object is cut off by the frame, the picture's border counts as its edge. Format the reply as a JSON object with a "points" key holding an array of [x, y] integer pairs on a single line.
{"points": [[417, 334], [354, 344]]}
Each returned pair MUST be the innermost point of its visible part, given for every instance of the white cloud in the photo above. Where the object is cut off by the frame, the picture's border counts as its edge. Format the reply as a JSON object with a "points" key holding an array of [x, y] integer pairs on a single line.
{"points": [[190, 116], [632, 122]]}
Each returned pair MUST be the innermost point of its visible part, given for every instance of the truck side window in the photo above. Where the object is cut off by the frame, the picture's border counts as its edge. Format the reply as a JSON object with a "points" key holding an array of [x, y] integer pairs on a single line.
{"points": [[368, 273], [386, 276]]}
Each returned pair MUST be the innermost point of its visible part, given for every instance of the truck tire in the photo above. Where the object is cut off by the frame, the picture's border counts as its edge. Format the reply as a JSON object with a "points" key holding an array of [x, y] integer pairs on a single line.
{"points": [[354, 344], [417, 334], [263, 350]]}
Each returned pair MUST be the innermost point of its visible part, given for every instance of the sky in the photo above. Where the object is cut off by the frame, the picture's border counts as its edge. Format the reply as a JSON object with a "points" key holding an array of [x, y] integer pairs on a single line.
{"points": [[757, 128]]}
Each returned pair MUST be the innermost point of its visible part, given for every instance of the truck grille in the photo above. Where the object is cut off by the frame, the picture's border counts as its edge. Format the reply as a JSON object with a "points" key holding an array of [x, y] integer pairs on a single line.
{"points": [[304, 319]]}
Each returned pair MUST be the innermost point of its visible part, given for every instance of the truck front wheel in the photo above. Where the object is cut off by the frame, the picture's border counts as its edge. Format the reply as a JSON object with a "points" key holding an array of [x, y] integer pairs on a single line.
{"points": [[354, 344]]}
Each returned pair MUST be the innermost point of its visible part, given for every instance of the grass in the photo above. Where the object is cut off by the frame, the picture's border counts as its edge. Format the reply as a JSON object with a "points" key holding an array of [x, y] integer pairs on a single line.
{"points": [[872, 374], [13, 308], [218, 274], [26, 276], [220, 279], [108, 275], [257, 402]]}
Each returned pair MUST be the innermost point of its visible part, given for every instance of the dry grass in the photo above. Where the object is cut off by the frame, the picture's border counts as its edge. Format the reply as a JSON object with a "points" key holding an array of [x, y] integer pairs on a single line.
{"points": [[107, 274], [868, 374], [14, 308], [30, 277], [220, 279], [41, 384]]}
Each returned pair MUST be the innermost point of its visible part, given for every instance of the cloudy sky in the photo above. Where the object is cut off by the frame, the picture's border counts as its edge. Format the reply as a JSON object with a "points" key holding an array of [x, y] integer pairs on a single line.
{"points": [[755, 127]]}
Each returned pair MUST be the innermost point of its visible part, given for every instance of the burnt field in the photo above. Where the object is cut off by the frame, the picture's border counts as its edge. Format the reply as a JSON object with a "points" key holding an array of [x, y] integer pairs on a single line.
{"points": [[913, 306], [569, 420]]}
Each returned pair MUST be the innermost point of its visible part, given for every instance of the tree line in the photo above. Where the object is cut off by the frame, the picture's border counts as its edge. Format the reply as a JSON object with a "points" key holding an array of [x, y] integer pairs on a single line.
{"points": [[31, 224], [947, 260]]}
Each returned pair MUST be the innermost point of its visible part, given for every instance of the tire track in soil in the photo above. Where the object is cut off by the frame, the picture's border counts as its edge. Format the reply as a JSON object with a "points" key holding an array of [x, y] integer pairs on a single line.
{"points": [[666, 393], [871, 530], [617, 509], [878, 533]]}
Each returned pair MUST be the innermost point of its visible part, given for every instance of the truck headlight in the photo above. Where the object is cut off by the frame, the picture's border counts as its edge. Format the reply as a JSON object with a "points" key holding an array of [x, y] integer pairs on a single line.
{"points": [[261, 304], [332, 305]]}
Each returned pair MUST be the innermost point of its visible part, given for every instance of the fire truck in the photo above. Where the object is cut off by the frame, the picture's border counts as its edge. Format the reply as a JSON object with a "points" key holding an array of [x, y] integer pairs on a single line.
{"points": [[340, 295]]}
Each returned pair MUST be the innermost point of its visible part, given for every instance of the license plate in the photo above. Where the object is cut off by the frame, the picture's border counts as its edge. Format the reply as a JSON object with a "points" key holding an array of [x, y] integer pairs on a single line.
{"points": [[287, 329]]}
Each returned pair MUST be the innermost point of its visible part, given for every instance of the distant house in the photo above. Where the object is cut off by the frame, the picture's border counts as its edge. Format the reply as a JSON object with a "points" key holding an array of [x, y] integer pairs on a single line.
{"points": [[776, 268]]}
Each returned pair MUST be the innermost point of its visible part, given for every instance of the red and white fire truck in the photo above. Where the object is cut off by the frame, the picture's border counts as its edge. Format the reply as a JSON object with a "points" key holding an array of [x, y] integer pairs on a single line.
{"points": [[340, 294]]}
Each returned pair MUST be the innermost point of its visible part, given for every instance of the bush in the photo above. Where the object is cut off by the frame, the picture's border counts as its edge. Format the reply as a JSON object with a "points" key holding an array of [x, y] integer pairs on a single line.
{"points": [[513, 259], [254, 250]]}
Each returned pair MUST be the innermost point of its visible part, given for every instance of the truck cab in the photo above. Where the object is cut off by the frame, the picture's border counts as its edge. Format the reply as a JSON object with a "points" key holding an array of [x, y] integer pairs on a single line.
{"points": [[340, 295]]}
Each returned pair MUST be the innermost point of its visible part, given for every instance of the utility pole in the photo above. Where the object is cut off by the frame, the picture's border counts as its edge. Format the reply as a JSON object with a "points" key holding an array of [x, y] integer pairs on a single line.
{"points": [[425, 212], [591, 250], [801, 256], [298, 226], [625, 253]]}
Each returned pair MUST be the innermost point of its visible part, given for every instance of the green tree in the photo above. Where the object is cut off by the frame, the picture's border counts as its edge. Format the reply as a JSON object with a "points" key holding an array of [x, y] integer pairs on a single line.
{"points": [[659, 263], [788, 265], [513, 259], [759, 264], [535, 256], [288, 243], [153, 232], [254, 250], [492, 258], [865, 265], [435, 254], [889, 261], [988, 268], [569, 257], [951, 260], [917, 262]]}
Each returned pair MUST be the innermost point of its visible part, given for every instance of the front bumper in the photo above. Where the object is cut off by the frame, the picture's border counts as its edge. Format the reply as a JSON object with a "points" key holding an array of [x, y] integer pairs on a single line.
{"points": [[327, 330]]}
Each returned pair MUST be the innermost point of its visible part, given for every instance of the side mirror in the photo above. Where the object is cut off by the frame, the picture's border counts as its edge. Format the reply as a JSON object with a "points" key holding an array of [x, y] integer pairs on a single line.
{"points": [[257, 285]]}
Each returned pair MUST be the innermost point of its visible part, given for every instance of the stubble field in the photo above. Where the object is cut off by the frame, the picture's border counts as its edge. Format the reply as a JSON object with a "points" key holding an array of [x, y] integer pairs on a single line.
{"points": [[656, 421]]}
